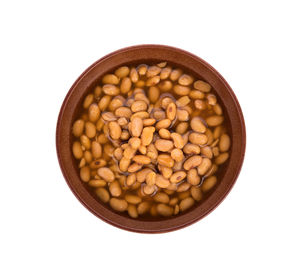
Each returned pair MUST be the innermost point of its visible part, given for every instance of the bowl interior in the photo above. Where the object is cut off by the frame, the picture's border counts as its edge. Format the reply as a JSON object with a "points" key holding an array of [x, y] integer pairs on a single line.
{"points": [[150, 54]]}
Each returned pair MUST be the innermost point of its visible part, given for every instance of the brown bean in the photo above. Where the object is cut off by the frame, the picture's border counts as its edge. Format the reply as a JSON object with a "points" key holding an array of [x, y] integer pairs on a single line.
{"points": [[164, 210], [141, 159], [90, 129], [85, 174], [119, 205], [192, 177], [173, 201], [183, 187], [153, 94], [166, 171], [185, 80], [197, 138], [88, 100], [111, 90], [165, 160], [141, 175], [222, 158], [138, 106], [134, 167], [149, 189], [200, 105], [209, 183], [164, 133], [177, 155], [136, 126], [88, 156], [133, 199], [153, 71], [183, 195], [171, 111], [161, 197], [165, 86], [77, 150], [218, 109], [152, 81], [197, 125], [178, 176], [224, 143], [202, 86], [192, 162], [122, 71], [129, 152], [123, 112], [183, 101], [214, 120], [106, 174], [175, 74], [204, 166], [196, 193], [178, 140], [186, 203], [182, 115], [103, 194], [163, 145], [181, 90], [197, 94], [161, 181], [142, 115], [147, 135], [190, 148], [96, 149], [182, 127], [142, 69], [211, 99], [132, 211], [78, 128], [151, 178], [143, 149], [114, 130], [125, 85], [164, 123], [207, 152], [125, 135], [134, 76], [143, 208], [124, 164], [115, 188]]}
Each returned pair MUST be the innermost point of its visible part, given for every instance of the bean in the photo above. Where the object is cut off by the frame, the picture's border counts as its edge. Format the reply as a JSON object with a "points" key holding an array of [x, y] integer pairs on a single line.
{"points": [[96, 149], [119, 205], [192, 177], [122, 71], [85, 174], [143, 208], [192, 162], [135, 142], [153, 94], [197, 125], [142, 115], [138, 106], [177, 155], [182, 127], [183, 187], [111, 90], [209, 183], [164, 133], [215, 151], [129, 152], [197, 138], [183, 195], [134, 167], [211, 99], [217, 109], [204, 166], [132, 211], [141, 159], [149, 121], [78, 127], [152, 81], [224, 143], [88, 156], [133, 199], [209, 135], [153, 71], [222, 158], [90, 129], [125, 135], [97, 91], [178, 140], [171, 111], [143, 149], [104, 102], [103, 194], [183, 101], [110, 79], [186, 203], [142, 69], [165, 160], [108, 116], [82, 163], [117, 102], [173, 201], [178, 176], [165, 86], [77, 151], [185, 80], [159, 115], [190, 148], [147, 135], [163, 145], [164, 123], [164, 210], [176, 209], [115, 189], [165, 73], [114, 130], [124, 164], [125, 85], [214, 120], [123, 112], [202, 86], [175, 74], [141, 175], [88, 100], [151, 178], [197, 94], [161, 197], [161, 181], [149, 189], [207, 152], [200, 104], [106, 174], [181, 90], [196, 193], [136, 126], [134, 76], [97, 183], [166, 171], [131, 179], [182, 115]]}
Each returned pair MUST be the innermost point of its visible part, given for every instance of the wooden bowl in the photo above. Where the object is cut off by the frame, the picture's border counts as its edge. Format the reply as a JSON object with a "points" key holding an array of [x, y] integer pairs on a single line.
{"points": [[150, 54]]}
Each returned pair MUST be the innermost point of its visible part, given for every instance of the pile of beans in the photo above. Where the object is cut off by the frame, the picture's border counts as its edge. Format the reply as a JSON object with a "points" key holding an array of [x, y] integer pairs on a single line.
{"points": [[150, 139]]}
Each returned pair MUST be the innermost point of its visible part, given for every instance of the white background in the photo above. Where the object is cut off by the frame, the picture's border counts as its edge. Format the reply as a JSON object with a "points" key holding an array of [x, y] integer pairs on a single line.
{"points": [[44, 47]]}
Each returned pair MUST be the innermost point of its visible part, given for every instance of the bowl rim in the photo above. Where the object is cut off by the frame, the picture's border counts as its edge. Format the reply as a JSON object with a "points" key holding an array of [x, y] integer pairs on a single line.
{"points": [[224, 193]]}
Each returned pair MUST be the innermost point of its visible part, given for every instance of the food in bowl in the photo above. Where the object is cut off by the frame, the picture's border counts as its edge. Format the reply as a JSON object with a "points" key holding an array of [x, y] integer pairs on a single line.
{"points": [[150, 140]]}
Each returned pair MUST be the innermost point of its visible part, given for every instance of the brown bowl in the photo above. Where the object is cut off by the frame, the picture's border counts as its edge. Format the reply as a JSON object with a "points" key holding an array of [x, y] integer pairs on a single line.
{"points": [[150, 54]]}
